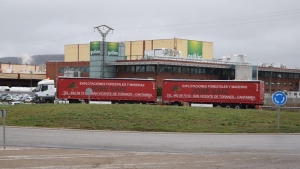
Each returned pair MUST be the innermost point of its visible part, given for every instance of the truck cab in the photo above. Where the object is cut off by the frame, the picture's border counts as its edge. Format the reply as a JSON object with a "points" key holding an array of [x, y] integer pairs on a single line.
{"points": [[45, 91]]}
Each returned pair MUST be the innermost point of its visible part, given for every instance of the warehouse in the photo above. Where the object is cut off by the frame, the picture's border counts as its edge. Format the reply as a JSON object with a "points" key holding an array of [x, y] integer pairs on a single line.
{"points": [[167, 59]]}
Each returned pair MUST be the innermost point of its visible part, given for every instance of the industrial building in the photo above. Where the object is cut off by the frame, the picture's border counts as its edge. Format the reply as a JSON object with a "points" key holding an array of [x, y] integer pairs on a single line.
{"points": [[134, 50], [21, 75], [155, 59], [167, 58]]}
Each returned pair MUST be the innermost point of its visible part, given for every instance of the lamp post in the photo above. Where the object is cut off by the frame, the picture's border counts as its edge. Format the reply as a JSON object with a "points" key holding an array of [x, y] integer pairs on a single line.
{"points": [[270, 84], [279, 76], [30, 80]]}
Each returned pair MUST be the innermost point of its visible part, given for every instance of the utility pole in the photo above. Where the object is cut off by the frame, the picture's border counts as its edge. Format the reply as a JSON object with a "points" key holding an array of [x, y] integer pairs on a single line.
{"points": [[103, 34], [278, 83], [30, 80], [270, 85]]}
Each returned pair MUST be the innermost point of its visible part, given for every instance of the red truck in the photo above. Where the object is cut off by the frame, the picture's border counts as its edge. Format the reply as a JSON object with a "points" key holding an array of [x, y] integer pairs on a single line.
{"points": [[217, 93], [116, 90]]}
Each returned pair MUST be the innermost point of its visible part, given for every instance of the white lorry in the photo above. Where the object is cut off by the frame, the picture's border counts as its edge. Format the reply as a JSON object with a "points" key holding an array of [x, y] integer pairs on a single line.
{"points": [[45, 91]]}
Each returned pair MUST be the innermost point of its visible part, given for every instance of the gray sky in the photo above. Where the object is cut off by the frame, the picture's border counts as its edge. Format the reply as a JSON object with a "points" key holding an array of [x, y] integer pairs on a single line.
{"points": [[263, 30]]}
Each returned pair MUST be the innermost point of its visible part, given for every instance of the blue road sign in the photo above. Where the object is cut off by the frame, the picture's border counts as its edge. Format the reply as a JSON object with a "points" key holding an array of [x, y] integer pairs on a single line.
{"points": [[279, 98]]}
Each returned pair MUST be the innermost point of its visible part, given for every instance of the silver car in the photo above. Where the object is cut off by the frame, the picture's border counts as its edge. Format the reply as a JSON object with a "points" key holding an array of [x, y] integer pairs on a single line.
{"points": [[8, 97], [3, 96]]}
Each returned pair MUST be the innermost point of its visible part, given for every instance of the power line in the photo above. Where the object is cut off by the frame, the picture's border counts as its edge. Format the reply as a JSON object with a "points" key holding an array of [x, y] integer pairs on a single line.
{"points": [[129, 30], [220, 20], [209, 26]]}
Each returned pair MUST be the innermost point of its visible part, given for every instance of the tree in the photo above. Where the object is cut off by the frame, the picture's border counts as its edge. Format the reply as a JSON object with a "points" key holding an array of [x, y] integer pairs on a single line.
{"points": [[175, 88], [72, 86]]}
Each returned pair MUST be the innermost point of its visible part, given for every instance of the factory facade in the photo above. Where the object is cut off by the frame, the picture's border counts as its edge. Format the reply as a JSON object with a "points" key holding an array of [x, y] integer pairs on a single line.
{"points": [[167, 59]]}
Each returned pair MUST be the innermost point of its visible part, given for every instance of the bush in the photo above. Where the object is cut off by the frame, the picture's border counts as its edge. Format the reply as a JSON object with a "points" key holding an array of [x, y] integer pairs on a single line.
{"points": [[159, 89]]}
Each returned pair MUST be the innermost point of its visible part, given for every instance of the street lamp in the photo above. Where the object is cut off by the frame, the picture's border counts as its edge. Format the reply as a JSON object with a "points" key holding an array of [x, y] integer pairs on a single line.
{"points": [[30, 80], [270, 84], [278, 83]]}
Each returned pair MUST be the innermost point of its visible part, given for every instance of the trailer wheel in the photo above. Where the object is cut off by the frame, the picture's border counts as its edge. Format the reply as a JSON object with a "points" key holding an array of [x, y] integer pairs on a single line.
{"points": [[177, 104], [48, 101], [238, 106], [115, 102], [218, 105], [228, 106]]}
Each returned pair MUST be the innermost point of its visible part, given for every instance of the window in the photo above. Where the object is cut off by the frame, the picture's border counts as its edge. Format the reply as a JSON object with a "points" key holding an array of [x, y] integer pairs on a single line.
{"points": [[193, 70], [176, 69], [140, 68], [130, 69], [201, 70], [279, 75], [168, 69], [87, 69], [150, 68], [184, 69], [121, 68], [44, 87], [266, 74], [261, 74], [254, 73], [284, 84], [272, 84], [291, 83], [266, 83]]}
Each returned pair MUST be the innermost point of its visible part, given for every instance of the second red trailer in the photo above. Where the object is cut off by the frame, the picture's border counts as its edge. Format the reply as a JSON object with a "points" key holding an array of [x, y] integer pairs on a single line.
{"points": [[219, 93]]}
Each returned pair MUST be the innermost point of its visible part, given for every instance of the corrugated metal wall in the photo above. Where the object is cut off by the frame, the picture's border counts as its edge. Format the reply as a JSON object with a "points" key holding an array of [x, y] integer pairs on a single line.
{"points": [[135, 49], [77, 52]]}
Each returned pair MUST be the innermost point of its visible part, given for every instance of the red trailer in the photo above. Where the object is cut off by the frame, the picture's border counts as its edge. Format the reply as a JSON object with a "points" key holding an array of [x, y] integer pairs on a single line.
{"points": [[218, 93], [116, 90]]}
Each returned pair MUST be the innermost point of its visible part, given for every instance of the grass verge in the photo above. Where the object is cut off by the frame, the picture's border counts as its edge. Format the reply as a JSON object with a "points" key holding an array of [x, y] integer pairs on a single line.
{"points": [[151, 118]]}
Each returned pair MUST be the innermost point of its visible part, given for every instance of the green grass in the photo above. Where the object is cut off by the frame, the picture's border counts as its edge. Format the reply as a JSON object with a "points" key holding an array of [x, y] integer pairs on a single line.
{"points": [[151, 118]]}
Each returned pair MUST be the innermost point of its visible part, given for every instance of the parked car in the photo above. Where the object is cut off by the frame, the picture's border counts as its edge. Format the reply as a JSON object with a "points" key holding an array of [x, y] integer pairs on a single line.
{"points": [[23, 97], [16, 97], [14, 103], [8, 97], [29, 99], [3, 96]]}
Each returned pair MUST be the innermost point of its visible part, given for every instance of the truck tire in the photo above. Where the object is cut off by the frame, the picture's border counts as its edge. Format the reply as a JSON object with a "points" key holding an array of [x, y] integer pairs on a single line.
{"points": [[48, 101], [74, 101], [115, 102], [176, 104], [238, 106], [228, 106], [218, 105]]}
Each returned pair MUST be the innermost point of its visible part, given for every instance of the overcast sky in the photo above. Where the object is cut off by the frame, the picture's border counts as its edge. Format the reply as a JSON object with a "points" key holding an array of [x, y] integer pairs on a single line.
{"points": [[263, 30]]}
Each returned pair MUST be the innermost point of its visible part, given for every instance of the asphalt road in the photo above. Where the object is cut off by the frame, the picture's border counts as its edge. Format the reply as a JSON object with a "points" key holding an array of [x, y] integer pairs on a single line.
{"points": [[60, 148]]}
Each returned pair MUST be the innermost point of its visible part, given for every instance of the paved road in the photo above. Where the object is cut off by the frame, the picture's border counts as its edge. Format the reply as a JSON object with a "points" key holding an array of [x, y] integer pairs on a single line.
{"points": [[106, 149]]}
